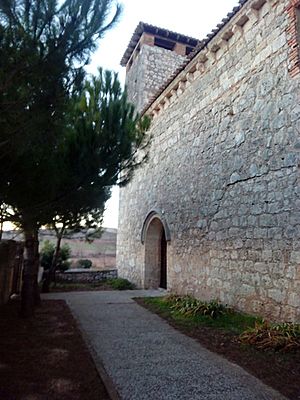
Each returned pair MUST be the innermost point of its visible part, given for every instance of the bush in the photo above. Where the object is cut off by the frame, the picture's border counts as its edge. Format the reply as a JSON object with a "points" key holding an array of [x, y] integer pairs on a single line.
{"points": [[120, 284], [63, 265], [47, 252], [187, 305], [267, 336], [84, 263]]}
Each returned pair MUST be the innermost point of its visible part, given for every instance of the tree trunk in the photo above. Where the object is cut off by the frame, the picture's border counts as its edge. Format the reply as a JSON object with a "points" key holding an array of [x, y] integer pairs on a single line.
{"points": [[36, 289], [50, 277], [30, 294], [1, 225]]}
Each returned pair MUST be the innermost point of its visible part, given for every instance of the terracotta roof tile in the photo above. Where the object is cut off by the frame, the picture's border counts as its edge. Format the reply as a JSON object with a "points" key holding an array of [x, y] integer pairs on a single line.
{"points": [[155, 30]]}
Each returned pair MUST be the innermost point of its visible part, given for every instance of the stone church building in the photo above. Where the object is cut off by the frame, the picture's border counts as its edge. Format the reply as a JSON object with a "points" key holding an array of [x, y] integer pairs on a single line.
{"points": [[215, 212]]}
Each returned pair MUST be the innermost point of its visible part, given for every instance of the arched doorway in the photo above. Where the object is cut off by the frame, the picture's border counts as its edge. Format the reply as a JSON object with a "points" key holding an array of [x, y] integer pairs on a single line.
{"points": [[155, 254]]}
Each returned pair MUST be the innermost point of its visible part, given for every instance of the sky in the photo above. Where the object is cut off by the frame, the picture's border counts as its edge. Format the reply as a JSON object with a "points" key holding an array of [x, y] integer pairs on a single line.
{"points": [[195, 18]]}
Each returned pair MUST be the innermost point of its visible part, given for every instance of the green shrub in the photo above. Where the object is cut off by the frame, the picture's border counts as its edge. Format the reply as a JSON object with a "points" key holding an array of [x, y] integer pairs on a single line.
{"points": [[267, 336], [47, 252], [63, 265], [84, 263], [187, 305], [120, 284]]}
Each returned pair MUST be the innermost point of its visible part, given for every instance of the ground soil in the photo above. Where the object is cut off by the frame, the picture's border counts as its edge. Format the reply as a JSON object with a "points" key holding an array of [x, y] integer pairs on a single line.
{"points": [[278, 370], [45, 357]]}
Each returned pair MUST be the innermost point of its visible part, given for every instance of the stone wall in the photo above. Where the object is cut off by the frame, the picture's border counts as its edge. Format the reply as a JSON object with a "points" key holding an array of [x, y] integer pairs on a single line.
{"points": [[149, 72], [84, 276], [223, 171]]}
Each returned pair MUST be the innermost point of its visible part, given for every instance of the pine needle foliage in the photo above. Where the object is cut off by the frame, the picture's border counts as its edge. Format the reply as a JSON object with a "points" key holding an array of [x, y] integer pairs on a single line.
{"points": [[64, 139]]}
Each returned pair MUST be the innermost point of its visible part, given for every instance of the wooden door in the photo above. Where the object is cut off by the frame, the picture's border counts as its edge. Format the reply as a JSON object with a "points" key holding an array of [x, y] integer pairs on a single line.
{"points": [[163, 261]]}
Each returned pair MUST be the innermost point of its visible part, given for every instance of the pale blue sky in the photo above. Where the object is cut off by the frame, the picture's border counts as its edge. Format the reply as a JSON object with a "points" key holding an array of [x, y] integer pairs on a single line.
{"points": [[194, 18]]}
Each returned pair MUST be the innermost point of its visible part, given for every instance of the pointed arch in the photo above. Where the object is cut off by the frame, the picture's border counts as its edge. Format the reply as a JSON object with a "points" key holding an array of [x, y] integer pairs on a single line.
{"points": [[151, 215]]}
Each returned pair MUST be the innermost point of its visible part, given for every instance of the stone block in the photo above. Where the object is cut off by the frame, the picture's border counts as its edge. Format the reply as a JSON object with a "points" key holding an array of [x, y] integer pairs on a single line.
{"points": [[294, 300], [267, 220], [295, 257]]}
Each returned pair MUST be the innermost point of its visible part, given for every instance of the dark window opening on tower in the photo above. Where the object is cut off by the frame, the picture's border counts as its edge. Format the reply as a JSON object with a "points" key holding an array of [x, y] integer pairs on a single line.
{"points": [[164, 43], [189, 50]]}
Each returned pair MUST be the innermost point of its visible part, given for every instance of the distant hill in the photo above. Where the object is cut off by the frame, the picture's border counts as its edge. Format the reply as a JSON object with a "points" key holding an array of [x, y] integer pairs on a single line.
{"points": [[102, 251]]}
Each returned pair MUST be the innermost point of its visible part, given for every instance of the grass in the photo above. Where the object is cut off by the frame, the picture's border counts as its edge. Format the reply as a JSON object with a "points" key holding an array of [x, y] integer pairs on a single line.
{"points": [[109, 284], [189, 313], [230, 321]]}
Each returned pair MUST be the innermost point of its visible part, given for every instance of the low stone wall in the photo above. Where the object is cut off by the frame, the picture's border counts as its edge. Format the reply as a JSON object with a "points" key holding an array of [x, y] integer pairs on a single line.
{"points": [[86, 276]]}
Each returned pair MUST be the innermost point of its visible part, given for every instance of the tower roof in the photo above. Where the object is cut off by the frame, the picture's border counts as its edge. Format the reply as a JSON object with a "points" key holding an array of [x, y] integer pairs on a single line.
{"points": [[200, 46], [154, 30]]}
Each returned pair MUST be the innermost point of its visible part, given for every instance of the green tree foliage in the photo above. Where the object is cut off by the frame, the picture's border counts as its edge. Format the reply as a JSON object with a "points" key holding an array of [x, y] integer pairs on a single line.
{"points": [[43, 49], [63, 140], [99, 150], [47, 253]]}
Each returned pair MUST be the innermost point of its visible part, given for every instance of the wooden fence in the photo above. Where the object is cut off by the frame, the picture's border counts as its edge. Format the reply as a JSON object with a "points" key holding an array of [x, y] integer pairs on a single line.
{"points": [[11, 265]]}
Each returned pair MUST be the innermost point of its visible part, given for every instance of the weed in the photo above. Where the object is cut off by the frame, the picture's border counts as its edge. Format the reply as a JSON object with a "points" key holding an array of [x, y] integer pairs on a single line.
{"points": [[267, 336], [188, 305]]}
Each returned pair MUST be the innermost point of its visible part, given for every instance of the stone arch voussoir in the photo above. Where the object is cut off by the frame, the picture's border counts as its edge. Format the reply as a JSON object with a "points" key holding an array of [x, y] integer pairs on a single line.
{"points": [[152, 215]]}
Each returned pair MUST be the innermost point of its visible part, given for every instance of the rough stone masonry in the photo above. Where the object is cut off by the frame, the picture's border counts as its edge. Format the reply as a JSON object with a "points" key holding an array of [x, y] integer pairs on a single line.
{"points": [[222, 179]]}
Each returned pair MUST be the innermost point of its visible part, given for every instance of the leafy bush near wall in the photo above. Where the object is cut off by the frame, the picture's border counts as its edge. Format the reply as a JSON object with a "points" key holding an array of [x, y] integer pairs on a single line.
{"points": [[84, 263], [120, 284]]}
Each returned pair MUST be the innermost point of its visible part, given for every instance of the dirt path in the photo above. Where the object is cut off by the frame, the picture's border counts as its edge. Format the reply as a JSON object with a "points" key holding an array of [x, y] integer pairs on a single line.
{"points": [[45, 357]]}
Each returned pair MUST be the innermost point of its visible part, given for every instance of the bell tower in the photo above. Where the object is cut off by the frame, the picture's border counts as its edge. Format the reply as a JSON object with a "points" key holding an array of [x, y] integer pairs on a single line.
{"points": [[151, 58]]}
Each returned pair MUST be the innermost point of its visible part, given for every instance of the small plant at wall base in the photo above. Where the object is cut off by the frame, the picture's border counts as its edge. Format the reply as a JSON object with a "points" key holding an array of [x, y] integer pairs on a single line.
{"points": [[187, 305], [267, 336], [120, 284], [84, 263]]}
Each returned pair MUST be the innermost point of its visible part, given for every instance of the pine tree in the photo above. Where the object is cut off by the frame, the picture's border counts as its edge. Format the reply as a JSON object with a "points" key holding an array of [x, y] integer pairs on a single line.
{"points": [[54, 160]]}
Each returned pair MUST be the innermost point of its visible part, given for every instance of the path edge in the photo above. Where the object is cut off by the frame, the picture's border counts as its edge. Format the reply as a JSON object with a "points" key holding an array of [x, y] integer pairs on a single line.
{"points": [[104, 376]]}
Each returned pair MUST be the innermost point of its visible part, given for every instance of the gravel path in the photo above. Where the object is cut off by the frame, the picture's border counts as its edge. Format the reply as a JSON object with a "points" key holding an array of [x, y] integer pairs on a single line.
{"points": [[146, 359]]}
